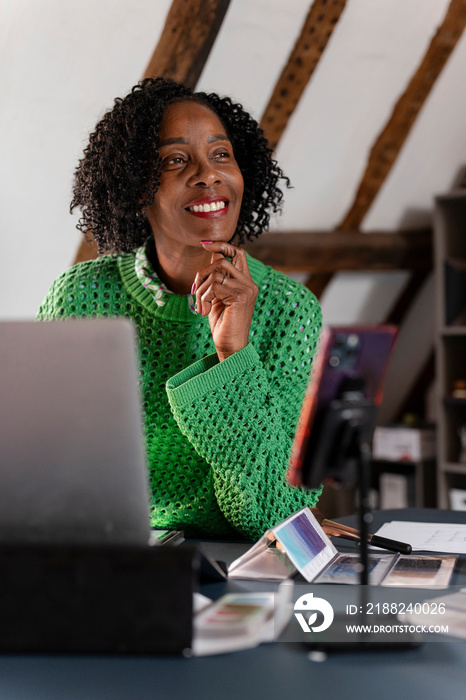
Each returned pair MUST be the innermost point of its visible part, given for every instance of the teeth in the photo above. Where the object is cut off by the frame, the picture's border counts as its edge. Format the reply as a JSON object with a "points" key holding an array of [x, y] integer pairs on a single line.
{"points": [[213, 206]]}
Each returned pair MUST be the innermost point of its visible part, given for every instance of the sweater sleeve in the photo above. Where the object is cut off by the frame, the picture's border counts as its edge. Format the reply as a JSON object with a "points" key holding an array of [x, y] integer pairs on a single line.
{"points": [[50, 308], [240, 415]]}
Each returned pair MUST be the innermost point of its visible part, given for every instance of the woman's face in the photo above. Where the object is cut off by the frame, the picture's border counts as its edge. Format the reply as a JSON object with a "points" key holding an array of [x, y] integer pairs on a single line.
{"points": [[201, 185]]}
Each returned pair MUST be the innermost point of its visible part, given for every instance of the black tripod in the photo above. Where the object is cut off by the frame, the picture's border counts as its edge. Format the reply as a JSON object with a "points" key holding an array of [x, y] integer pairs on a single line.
{"points": [[339, 448]]}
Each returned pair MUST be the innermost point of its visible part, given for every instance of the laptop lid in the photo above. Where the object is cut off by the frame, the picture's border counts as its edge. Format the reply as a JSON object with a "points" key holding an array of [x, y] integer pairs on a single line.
{"points": [[72, 461]]}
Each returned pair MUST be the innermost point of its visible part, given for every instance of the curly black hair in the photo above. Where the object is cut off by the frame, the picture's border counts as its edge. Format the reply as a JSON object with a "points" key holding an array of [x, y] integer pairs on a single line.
{"points": [[119, 174]]}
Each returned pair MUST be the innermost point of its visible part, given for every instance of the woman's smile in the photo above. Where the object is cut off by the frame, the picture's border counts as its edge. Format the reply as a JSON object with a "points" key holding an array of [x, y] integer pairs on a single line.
{"points": [[208, 207]]}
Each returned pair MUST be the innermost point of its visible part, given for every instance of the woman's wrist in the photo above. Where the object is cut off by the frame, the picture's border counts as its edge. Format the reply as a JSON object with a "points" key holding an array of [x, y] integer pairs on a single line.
{"points": [[224, 353]]}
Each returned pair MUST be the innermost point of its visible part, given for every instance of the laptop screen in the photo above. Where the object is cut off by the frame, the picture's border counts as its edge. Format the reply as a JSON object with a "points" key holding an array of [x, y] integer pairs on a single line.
{"points": [[72, 459]]}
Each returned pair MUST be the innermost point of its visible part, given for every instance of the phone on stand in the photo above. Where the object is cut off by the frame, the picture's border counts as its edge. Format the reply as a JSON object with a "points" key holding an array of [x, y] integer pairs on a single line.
{"points": [[349, 370]]}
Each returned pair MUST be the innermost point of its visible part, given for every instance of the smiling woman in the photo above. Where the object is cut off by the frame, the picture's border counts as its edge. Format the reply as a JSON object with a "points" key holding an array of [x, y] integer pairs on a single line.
{"points": [[172, 183]]}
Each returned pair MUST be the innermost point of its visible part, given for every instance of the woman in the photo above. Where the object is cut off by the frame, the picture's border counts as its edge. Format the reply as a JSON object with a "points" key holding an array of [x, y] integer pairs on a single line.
{"points": [[172, 182]]}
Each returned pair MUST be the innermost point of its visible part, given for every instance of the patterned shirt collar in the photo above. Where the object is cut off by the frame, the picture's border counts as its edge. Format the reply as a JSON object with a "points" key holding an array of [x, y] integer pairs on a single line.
{"points": [[150, 280]]}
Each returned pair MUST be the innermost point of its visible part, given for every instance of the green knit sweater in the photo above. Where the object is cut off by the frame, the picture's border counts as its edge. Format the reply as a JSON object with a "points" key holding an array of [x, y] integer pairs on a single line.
{"points": [[218, 434]]}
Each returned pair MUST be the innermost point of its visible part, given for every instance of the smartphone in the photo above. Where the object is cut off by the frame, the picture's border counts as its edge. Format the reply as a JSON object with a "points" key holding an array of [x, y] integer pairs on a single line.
{"points": [[348, 375]]}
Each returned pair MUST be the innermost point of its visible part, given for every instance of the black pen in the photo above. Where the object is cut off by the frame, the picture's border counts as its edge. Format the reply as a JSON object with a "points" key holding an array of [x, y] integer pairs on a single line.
{"points": [[333, 529]]}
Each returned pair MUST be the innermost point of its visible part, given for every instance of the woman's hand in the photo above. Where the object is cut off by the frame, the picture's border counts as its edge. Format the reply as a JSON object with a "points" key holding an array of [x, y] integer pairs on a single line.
{"points": [[226, 293]]}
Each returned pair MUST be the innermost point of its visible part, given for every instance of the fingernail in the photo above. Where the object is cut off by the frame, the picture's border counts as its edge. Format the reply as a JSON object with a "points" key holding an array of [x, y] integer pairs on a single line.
{"points": [[193, 288], [207, 242]]}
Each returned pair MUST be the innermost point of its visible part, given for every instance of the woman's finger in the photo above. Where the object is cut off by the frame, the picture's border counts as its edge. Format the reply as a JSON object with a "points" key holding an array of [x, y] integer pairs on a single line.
{"points": [[205, 291], [221, 265], [236, 255], [224, 289]]}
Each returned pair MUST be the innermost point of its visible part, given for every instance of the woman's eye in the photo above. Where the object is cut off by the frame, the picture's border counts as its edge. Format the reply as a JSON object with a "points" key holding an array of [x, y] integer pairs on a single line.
{"points": [[173, 162], [222, 154]]}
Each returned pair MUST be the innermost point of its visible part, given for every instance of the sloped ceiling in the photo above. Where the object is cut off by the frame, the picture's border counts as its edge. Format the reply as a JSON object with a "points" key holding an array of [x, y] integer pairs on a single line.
{"points": [[62, 63]]}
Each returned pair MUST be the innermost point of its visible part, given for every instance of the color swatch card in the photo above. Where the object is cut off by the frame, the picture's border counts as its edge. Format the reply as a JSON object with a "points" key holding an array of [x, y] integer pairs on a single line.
{"points": [[297, 544], [305, 543]]}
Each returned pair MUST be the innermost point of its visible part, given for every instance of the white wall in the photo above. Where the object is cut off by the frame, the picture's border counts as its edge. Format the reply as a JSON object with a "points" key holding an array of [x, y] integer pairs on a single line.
{"points": [[61, 65]]}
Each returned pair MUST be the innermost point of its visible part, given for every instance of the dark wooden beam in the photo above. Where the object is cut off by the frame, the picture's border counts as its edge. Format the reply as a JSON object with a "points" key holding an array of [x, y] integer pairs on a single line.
{"points": [[328, 252], [188, 35], [415, 401], [317, 284], [390, 141], [406, 297], [310, 45], [302, 62], [187, 38]]}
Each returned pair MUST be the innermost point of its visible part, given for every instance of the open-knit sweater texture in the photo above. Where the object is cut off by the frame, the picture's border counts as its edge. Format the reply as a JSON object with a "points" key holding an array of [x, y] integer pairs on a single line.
{"points": [[218, 434]]}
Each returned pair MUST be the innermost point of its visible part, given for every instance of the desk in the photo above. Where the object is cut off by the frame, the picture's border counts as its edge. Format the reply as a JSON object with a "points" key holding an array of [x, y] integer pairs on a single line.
{"points": [[432, 671]]}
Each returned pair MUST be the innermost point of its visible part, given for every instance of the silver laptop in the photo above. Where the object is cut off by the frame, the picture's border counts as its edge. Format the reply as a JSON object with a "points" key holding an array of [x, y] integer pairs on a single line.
{"points": [[72, 462]]}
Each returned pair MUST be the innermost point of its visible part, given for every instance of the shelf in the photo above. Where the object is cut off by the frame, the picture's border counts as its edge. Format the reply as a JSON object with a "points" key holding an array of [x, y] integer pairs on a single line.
{"points": [[396, 463], [450, 264], [453, 330], [458, 264], [453, 468], [455, 194], [415, 484], [451, 401]]}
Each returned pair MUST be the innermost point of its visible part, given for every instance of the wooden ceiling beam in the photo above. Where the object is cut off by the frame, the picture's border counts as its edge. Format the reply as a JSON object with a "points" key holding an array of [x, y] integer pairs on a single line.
{"points": [[317, 284], [317, 29], [414, 402], [310, 45], [404, 300], [190, 30], [329, 252], [390, 141]]}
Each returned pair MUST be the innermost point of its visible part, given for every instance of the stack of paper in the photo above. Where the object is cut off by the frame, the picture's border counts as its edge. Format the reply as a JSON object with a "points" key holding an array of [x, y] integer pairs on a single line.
{"points": [[241, 620]]}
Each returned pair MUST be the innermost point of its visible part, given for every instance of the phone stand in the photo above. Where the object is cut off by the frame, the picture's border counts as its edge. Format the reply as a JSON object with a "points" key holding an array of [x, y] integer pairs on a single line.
{"points": [[340, 448]]}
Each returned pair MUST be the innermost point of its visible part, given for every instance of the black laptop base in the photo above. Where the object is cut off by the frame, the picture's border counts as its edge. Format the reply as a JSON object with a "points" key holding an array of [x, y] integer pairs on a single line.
{"points": [[89, 599]]}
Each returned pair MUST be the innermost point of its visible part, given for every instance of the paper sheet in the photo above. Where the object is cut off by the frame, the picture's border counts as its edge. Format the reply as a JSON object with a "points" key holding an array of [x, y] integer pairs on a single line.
{"points": [[449, 538]]}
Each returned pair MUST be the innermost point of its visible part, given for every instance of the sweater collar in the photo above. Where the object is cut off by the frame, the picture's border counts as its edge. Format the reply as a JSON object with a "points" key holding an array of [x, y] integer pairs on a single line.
{"points": [[152, 282]]}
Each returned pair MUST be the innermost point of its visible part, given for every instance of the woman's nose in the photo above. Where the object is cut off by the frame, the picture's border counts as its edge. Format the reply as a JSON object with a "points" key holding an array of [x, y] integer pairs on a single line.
{"points": [[204, 173]]}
